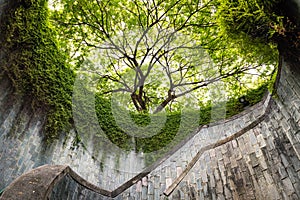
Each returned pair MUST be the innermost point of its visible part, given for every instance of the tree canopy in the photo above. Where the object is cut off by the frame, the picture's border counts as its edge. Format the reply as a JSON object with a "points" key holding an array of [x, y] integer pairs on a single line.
{"points": [[158, 51], [149, 55]]}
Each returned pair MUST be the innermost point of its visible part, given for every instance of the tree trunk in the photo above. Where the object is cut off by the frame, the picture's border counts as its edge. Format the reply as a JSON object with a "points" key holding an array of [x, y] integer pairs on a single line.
{"points": [[135, 102], [139, 102], [164, 103]]}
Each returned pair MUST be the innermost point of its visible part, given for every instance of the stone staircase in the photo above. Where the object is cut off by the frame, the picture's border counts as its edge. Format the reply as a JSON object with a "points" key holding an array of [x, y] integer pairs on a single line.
{"points": [[256, 162]]}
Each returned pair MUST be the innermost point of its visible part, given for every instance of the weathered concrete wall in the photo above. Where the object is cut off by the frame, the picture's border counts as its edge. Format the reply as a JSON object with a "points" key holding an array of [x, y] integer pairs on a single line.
{"points": [[262, 163]]}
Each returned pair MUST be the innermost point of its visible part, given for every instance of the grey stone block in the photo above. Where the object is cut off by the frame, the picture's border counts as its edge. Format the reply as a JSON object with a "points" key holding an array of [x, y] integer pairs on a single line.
{"points": [[288, 186]]}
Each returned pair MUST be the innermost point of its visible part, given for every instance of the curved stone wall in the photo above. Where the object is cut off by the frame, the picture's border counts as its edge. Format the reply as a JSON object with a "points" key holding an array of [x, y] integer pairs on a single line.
{"points": [[254, 155], [22, 147], [261, 162]]}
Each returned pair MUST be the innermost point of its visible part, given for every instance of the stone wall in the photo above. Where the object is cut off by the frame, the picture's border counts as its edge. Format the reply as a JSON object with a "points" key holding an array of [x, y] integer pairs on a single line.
{"points": [[254, 155], [261, 163], [22, 147], [68, 188]]}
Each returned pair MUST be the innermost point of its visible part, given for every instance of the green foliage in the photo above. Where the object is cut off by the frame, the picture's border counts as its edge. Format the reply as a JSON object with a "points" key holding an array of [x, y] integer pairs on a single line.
{"points": [[257, 18], [233, 106], [35, 64], [261, 25], [125, 141], [108, 124], [250, 26], [148, 50], [171, 127]]}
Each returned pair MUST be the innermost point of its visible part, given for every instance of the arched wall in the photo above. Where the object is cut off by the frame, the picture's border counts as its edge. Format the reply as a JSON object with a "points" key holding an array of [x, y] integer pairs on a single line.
{"points": [[254, 155], [261, 162]]}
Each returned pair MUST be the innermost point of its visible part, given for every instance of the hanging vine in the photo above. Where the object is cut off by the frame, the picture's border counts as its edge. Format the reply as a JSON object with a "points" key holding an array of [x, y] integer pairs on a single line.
{"points": [[34, 63]]}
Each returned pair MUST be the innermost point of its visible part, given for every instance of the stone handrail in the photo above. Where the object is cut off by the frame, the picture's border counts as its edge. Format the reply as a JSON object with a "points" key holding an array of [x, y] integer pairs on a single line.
{"points": [[190, 165], [39, 183], [36, 184]]}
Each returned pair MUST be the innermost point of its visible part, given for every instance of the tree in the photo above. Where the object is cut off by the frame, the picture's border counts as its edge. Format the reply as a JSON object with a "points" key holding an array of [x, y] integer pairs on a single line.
{"points": [[156, 51]]}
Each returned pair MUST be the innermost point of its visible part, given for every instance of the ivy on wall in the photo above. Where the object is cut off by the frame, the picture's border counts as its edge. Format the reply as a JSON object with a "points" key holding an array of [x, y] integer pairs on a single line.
{"points": [[38, 69], [259, 19], [273, 22], [34, 63], [171, 127]]}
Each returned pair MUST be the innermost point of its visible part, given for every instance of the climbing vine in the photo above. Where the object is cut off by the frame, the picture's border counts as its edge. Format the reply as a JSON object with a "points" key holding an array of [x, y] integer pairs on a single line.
{"points": [[34, 63], [38, 69], [171, 127], [259, 19], [263, 24]]}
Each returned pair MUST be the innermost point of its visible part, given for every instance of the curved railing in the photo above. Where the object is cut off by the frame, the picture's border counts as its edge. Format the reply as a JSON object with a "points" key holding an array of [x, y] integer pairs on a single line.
{"points": [[39, 183], [46, 181], [267, 100], [190, 165]]}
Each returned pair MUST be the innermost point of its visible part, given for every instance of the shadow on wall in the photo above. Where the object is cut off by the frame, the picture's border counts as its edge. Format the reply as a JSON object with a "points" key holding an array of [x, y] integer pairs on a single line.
{"points": [[261, 162]]}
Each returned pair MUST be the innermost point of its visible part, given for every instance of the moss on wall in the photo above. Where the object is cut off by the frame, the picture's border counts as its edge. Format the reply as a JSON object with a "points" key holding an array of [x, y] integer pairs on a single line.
{"points": [[171, 127], [34, 63], [38, 69]]}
